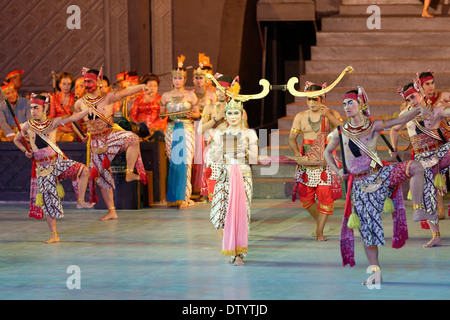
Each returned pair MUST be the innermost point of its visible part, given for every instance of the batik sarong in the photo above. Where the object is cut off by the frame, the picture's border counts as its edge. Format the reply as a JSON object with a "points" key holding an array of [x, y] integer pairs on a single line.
{"points": [[103, 146], [50, 169]]}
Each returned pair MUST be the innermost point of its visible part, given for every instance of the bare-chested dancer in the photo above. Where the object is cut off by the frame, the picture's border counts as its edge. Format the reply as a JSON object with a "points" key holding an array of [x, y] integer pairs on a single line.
{"points": [[106, 139], [314, 180], [429, 147], [51, 164], [371, 178]]}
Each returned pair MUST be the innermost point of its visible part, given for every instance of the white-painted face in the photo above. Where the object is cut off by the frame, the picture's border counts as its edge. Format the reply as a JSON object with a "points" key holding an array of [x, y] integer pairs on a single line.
{"points": [[233, 117]]}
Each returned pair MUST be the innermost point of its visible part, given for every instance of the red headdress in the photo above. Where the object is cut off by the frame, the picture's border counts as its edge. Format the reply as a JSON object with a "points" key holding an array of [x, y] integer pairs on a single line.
{"points": [[309, 83], [362, 99], [429, 76], [14, 73]]}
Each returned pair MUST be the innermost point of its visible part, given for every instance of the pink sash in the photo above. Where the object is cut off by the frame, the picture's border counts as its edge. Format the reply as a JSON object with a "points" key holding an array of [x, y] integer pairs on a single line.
{"points": [[235, 236]]}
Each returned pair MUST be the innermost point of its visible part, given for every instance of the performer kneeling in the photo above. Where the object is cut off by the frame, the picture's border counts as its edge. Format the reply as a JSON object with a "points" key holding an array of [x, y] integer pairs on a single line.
{"points": [[52, 165]]}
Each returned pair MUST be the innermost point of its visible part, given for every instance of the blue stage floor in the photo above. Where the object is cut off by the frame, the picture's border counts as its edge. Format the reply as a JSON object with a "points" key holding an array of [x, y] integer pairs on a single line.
{"points": [[169, 254]]}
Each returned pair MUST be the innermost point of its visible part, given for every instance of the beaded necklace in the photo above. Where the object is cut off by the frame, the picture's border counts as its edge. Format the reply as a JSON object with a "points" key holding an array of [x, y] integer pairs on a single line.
{"points": [[40, 127], [358, 131]]}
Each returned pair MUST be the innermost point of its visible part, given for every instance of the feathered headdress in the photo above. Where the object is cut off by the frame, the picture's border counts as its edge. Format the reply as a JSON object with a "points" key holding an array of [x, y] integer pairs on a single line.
{"points": [[180, 67], [204, 65]]}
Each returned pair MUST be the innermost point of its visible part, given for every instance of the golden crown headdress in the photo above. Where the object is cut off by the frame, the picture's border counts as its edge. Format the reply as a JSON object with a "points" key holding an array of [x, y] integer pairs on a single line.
{"points": [[204, 65], [180, 67]]}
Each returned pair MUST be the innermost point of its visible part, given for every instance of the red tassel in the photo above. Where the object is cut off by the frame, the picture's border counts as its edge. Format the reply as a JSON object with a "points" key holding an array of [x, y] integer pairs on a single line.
{"points": [[106, 163], [208, 172], [305, 177], [94, 173], [324, 176], [424, 224]]}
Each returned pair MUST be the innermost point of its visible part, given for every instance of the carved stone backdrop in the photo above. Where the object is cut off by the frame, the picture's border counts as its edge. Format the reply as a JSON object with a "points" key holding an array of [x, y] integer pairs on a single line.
{"points": [[162, 37], [36, 39]]}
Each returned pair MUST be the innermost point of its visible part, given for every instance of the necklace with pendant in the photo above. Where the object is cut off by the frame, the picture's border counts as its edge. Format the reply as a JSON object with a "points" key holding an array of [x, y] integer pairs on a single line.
{"points": [[315, 126]]}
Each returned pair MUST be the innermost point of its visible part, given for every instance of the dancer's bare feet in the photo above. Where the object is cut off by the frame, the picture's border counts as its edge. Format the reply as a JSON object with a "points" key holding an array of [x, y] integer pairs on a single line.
{"points": [[111, 215], [321, 238], [131, 176], [186, 204], [238, 261], [435, 241], [426, 14], [54, 238], [84, 205], [420, 214], [231, 260]]}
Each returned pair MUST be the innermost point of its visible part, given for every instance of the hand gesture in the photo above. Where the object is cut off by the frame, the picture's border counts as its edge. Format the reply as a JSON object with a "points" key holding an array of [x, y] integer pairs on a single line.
{"points": [[324, 109], [342, 175]]}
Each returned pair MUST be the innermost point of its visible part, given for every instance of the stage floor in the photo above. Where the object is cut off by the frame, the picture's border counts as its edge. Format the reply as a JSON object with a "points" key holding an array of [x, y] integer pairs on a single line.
{"points": [[168, 254]]}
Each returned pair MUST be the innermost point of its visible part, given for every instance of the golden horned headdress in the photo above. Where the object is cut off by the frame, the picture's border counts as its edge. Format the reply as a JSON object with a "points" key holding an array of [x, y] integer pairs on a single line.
{"points": [[179, 70], [292, 81], [236, 99]]}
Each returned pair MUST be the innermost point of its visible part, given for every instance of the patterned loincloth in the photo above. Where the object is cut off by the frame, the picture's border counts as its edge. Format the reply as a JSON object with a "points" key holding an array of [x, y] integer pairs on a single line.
{"points": [[113, 142], [49, 173]]}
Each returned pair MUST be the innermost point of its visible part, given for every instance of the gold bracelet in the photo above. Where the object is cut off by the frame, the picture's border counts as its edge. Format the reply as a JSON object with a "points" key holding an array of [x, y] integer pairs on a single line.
{"points": [[417, 206]]}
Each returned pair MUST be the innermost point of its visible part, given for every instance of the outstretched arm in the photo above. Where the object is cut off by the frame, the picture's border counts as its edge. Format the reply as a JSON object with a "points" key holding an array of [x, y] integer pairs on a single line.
{"points": [[122, 94], [402, 119], [75, 117]]}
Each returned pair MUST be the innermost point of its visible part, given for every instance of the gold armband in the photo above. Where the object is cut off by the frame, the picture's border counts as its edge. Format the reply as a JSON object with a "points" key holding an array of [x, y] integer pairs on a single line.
{"points": [[206, 116], [293, 130]]}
